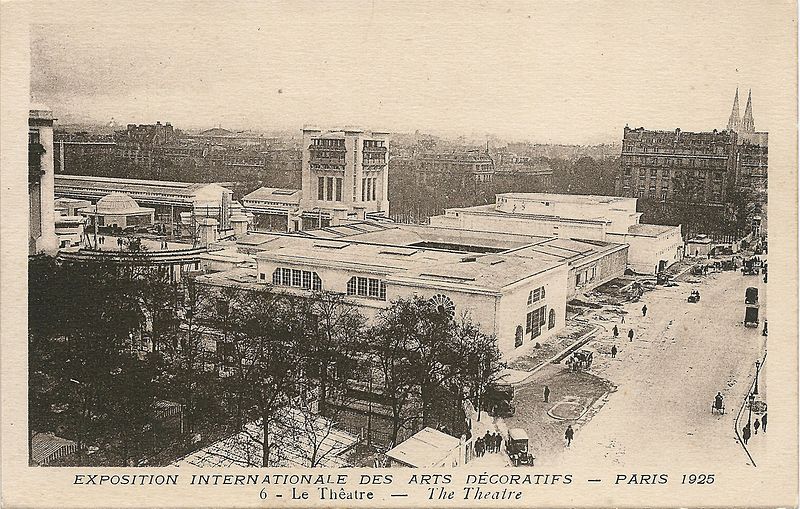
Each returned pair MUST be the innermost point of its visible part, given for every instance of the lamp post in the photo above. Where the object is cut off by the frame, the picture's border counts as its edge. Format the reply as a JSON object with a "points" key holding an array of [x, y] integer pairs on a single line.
{"points": [[758, 367], [750, 409], [369, 403]]}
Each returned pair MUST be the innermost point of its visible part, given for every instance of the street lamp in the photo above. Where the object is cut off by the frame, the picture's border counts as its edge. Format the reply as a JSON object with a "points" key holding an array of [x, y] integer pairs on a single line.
{"points": [[750, 410], [758, 367]]}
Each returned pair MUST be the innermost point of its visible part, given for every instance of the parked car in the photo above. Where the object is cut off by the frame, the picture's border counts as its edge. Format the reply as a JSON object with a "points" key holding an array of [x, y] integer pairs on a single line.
{"points": [[517, 447], [751, 295], [751, 316]]}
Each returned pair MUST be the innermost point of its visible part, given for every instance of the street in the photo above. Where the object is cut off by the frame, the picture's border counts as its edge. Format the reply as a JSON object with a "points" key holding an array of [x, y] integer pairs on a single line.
{"points": [[666, 379]]}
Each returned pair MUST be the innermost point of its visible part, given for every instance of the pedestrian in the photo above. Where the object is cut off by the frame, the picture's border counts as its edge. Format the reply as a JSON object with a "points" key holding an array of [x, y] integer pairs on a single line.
{"points": [[764, 423], [478, 447], [487, 441], [746, 433], [718, 401], [546, 394], [616, 332], [630, 334], [756, 425], [623, 319], [644, 310], [499, 443], [569, 434], [614, 352], [494, 442]]}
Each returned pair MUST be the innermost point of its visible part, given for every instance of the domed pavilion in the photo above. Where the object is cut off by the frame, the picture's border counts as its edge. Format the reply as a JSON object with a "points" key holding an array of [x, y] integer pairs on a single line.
{"points": [[119, 210]]}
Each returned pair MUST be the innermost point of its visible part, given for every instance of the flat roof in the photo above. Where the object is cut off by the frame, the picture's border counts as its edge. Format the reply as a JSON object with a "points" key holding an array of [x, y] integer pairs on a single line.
{"points": [[399, 256], [130, 186], [275, 194], [650, 230], [491, 210], [426, 448], [566, 198], [320, 438]]}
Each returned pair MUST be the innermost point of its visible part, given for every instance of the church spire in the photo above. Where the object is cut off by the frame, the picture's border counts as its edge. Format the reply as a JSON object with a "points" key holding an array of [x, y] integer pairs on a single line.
{"points": [[748, 124], [734, 122]]}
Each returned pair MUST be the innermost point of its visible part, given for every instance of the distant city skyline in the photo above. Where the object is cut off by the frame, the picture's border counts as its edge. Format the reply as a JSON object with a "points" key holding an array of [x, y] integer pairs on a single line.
{"points": [[539, 72]]}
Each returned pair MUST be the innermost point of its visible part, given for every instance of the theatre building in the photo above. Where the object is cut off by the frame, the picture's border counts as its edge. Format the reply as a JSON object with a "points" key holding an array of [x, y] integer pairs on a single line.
{"points": [[515, 286]]}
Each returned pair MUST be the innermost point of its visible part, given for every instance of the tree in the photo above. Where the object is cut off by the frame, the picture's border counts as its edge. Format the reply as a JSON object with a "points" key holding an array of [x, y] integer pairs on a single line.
{"points": [[391, 353], [740, 207], [479, 360], [184, 352], [86, 322], [336, 338], [421, 350], [268, 359]]}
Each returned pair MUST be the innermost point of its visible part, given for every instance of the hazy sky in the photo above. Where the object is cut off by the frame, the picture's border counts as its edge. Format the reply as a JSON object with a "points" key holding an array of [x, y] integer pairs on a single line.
{"points": [[573, 72]]}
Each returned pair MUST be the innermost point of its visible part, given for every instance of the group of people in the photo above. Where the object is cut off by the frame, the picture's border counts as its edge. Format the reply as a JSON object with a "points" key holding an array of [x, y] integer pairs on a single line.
{"points": [[615, 330], [758, 423], [490, 442]]}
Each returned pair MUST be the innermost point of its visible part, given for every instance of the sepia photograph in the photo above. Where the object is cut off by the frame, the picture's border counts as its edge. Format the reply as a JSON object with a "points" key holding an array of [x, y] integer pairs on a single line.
{"points": [[515, 238]]}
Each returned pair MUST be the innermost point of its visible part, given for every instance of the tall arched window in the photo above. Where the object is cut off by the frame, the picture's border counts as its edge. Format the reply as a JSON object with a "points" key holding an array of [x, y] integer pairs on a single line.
{"points": [[518, 336], [551, 321]]}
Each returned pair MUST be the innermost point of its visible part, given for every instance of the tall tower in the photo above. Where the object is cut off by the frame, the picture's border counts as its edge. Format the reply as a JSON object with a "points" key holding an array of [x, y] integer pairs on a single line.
{"points": [[41, 182], [748, 124], [345, 175], [734, 122]]}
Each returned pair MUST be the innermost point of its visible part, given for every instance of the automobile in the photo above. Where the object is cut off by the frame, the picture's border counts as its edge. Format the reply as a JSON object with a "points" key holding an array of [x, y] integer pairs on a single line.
{"points": [[517, 447], [751, 316], [694, 296], [751, 295], [500, 400]]}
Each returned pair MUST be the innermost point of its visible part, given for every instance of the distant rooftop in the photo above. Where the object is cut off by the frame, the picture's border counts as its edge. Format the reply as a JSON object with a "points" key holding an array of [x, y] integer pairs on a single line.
{"points": [[40, 111], [566, 198], [133, 186], [649, 230], [275, 194]]}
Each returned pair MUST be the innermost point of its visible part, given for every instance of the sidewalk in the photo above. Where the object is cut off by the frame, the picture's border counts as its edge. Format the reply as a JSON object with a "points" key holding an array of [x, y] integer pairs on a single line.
{"points": [[529, 360], [758, 443]]}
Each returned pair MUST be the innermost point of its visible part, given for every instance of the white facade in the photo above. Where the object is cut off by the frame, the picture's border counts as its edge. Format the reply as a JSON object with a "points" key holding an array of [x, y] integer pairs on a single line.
{"points": [[652, 247], [618, 213], [69, 230], [518, 294], [41, 217], [274, 209], [345, 174], [604, 218], [486, 217]]}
